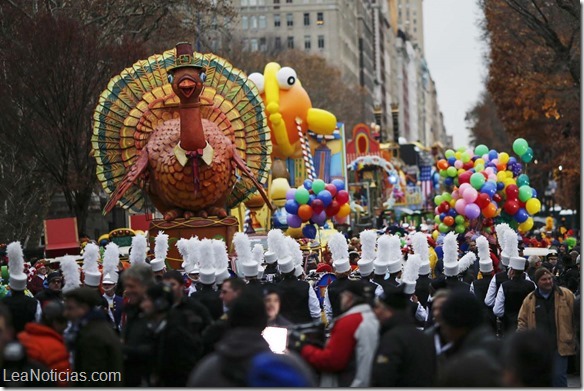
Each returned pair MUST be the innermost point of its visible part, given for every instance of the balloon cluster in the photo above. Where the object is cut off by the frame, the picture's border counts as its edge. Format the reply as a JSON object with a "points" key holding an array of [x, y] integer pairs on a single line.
{"points": [[315, 202], [485, 184]]}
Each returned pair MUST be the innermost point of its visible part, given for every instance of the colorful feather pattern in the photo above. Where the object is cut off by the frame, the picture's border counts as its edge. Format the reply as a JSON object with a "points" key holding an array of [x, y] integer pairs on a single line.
{"points": [[139, 99]]}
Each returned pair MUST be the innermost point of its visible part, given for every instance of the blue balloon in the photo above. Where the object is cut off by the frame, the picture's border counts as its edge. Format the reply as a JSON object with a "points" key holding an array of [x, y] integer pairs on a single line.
{"points": [[451, 161], [452, 212], [521, 215], [500, 186], [307, 184], [291, 207], [512, 160], [326, 197], [339, 184], [442, 216], [311, 198], [493, 154], [489, 188], [309, 231], [533, 193], [448, 181]]}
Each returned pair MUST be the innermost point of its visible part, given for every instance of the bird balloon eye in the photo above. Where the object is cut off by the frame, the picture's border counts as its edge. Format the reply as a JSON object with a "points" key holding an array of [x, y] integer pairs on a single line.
{"points": [[286, 78], [258, 80], [203, 76], [170, 78]]}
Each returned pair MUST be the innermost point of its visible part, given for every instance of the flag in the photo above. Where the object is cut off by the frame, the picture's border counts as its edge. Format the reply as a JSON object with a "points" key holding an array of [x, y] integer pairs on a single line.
{"points": [[426, 181]]}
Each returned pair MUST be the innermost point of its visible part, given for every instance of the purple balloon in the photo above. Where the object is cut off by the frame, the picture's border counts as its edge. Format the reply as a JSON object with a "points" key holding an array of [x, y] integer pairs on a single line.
{"points": [[326, 197], [472, 211], [293, 221], [320, 218], [290, 194]]}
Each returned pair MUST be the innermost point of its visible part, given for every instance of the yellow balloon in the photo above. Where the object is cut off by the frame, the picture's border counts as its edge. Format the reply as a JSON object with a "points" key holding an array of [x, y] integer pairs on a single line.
{"points": [[343, 211], [509, 174], [533, 205], [295, 233], [503, 157], [508, 181], [526, 225], [501, 176], [452, 203], [458, 155], [435, 234], [479, 161], [461, 170]]}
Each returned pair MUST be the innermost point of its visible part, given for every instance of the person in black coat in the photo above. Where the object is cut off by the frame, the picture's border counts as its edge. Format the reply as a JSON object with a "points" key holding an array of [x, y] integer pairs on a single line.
{"points": [[176, 349], [194, 315], [22, 307], [209, 297], [405, 356], [96, 347], [299, 303], [54, 290]]}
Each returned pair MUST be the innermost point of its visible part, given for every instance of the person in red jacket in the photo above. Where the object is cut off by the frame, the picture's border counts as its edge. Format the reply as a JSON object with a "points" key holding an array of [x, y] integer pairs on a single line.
{"points": [[44, 341]]}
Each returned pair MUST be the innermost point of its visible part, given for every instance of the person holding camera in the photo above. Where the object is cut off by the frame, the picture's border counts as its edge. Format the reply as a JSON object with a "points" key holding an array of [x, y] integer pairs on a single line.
{"points": [[347, 357]]}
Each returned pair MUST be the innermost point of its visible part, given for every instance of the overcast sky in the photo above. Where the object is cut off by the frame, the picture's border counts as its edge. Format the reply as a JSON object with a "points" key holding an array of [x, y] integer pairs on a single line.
{"points": [[454, 52]]}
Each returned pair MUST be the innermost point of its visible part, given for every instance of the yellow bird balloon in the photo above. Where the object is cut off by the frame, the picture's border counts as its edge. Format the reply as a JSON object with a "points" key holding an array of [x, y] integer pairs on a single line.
{"points": [[286, 101]]}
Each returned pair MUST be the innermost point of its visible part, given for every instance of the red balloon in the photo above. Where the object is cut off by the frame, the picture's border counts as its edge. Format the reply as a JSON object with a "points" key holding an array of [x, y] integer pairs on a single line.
{"points": [[333, 208], [317, 206], [468, 165], [448, 220], [485, 175], [305, 212], [497, 198], [445, 206], [488, 222], [512, 192], [521, 204], [511, 207], [342, 197], [331, 188], [483, 200], [464, 177]]}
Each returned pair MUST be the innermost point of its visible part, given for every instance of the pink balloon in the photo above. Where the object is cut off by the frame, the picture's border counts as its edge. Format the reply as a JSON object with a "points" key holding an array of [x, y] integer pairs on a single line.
{"points": [[486, 157], [495, 162], [463, 188], [455, 194], [472, 211], [459, 206], [470, 195], [489, 170], [493, 177], [458, 164]]}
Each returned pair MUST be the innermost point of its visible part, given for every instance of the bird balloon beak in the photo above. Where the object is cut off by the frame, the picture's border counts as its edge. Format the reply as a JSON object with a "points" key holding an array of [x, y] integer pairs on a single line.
{"points": [[187, 86], [321, 121]]}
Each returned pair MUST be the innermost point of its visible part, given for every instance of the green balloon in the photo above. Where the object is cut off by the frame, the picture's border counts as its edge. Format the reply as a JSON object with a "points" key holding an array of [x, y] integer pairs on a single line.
{"points": [[477, 180], [520, 146], [302, 195], [479, 167], [318, 185], [444, 173], [438, 200], [451, 171], [446, 196], [449, 153], [437, 219], [522, 180], [461, 149], [459, 228], [456, 182], [465, 157], [459, 220], [525, 193], [443, 228], [481, 150]]}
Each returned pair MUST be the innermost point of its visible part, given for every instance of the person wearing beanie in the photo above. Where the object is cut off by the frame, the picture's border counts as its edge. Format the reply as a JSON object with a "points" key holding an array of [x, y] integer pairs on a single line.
{"points": [[462, 324], [53, 291], [347, 357], [175, 349], [550, 308], [340, 254], [511, 294], [405, 356], [96, 347], [23, 308]]}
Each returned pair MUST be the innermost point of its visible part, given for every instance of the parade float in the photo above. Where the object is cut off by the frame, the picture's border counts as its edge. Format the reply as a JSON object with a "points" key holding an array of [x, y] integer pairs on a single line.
{"points": [[186, 133], [485, 187]]}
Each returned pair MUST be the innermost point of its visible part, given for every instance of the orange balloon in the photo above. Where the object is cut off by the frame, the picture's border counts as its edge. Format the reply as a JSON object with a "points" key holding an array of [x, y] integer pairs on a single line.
{"points": [[490, 210], [442, 164], [448, 220], [344, 211], [305, 212]]}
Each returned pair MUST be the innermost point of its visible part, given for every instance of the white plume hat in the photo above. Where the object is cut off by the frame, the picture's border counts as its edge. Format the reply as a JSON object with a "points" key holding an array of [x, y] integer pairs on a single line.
{"points": [[410, 274], [18, 279], [517, 263], [485, 262], [450, 249], [139, 250], [340, 252], [208, 250], [71, 273], [221, 260], [420, 245]]}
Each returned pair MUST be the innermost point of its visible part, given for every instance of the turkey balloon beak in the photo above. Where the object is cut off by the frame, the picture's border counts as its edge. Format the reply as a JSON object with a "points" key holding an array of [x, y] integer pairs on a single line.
{"points": [[187, 86]]}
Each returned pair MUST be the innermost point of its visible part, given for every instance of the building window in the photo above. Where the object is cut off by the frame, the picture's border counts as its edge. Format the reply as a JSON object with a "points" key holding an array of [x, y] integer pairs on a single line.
{"points": [[253, 3], [244, 22], [321, 41], [253, 22], [306, 19], [276, 1], [290, 42], [289, 20], [276, 20], [307, 42], [253, 44], [320, 18], [244, 3], [262, 21], [414, 21], [278, 43], [277, 4], [415, 30], [263, 46], [289, 1]]}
